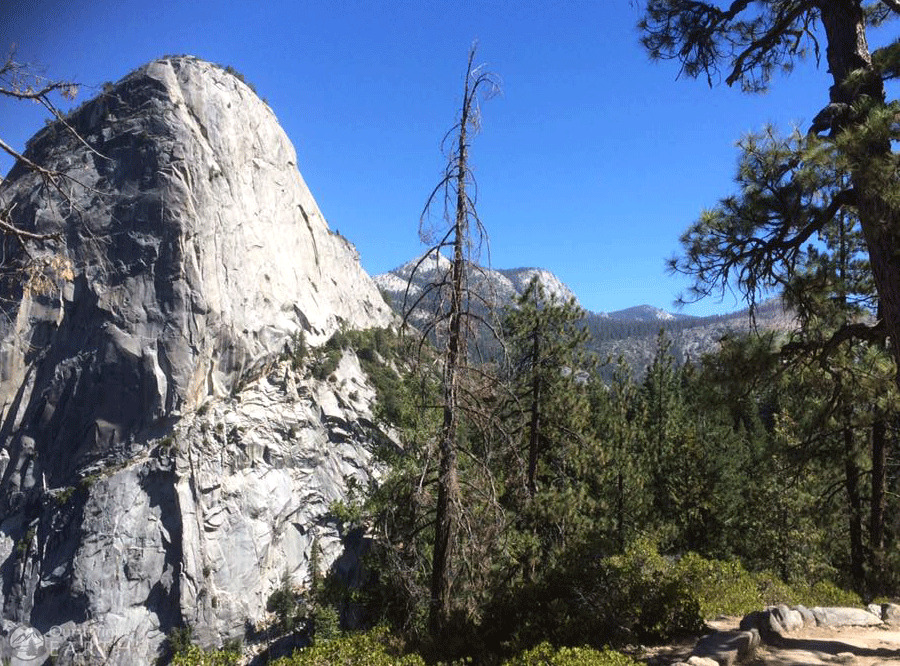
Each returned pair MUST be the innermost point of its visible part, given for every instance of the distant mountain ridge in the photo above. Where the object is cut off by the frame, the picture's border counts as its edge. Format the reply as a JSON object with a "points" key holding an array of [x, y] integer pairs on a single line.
{"points": [[497, 288], [644, 313], [502, 286], [629, 334]]}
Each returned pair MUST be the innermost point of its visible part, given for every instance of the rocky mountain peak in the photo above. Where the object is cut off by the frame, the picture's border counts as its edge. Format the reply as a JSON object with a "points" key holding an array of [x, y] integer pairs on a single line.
{"points": [[196, 250], [497, 288], [189, 255], [643, 313]]}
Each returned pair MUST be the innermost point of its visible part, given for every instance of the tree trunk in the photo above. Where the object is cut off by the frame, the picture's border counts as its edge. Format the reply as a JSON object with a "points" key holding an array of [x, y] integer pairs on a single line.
{"points": [[448, 489], [848, 51], [876, 515], [534, 425], [854, 505]]}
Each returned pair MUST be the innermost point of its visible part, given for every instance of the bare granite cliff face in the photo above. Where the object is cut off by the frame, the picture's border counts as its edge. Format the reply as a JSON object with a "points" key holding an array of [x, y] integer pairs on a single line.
{"points": [[163, 463]]}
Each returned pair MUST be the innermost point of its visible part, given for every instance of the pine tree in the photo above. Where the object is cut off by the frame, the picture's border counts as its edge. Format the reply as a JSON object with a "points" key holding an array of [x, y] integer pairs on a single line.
{"points": [[622, 473], [545, 340], [791, 189], [547, 421]]}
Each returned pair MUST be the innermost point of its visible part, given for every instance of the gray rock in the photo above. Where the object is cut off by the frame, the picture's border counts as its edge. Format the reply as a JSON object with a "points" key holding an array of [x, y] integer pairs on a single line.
{"points": [[727, 647], [890, 613], [809, 620], [164, 464], [497, 287], [844, 617], [764, 622], [701, 661], [753, 620], [787, 620]]}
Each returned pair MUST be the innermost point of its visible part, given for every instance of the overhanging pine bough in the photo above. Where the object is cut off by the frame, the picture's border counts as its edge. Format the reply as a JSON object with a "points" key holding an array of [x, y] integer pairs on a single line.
{"points": [[748, 41]]}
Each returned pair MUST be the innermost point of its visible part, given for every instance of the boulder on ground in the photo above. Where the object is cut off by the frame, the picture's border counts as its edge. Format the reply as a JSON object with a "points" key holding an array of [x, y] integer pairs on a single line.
{"points": [[726, 647], [844, 617], [785, 620], [809, 620], [889, 613]]}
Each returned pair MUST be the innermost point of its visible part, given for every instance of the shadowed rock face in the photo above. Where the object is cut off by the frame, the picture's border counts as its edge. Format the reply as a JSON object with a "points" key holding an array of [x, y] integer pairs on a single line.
{"points": [[190, 253]]}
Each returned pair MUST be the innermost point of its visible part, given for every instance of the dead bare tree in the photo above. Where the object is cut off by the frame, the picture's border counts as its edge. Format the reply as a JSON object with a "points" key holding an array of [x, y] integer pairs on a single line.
{"points": [[451, 323], [20, 82]]}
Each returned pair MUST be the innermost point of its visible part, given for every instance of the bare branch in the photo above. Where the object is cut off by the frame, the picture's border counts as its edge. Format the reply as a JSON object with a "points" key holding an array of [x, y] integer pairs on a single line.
{"points": [[893, 5]]}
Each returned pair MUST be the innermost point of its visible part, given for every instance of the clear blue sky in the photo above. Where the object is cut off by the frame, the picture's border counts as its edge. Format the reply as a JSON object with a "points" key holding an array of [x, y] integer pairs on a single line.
{"points": [[591, 163]]}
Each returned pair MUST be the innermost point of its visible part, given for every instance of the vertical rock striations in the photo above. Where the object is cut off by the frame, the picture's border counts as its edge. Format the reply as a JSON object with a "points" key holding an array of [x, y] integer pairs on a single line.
{"points": [[160, 464]]}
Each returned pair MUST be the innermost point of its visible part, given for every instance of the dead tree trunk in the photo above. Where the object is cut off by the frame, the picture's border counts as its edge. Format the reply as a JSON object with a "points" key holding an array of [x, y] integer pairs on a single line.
{"points": [[448, 490], [452, 323]]}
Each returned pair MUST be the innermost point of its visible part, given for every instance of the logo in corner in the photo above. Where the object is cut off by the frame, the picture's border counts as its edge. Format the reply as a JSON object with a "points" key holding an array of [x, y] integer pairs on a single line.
{"points": [[27, 645]]}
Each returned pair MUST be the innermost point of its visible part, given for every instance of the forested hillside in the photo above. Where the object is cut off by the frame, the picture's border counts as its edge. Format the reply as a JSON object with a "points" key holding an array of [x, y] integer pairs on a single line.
{"points": [[722, 467], [691, 337], [628, 335]]}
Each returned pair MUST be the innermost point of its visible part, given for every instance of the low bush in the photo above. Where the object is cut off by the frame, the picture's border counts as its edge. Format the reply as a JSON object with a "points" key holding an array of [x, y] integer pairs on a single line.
{"points": [[196, 656], [826, 593], [726, 588], [284, 603], [547, 655], [627, 598], [721, 588], [646, 597], [373, 648], [379, 648], [640, 596]]}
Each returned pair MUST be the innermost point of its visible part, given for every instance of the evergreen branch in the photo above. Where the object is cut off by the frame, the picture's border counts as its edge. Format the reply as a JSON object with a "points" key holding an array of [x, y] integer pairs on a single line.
{"points": [[847, 332], [767, 42]]}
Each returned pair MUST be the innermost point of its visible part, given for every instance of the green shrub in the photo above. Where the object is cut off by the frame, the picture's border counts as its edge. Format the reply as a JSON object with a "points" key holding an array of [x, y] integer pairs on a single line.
{"points": [[25, 542], [726, 588], [646, 598], [283, 602], [373, 648], [826, 593], [326, 622], [627, 598], [379, 648], [179, 639], [547, 655], [325, 366], [298, 350], [240, 77], [185, 653], [721, 588], [195, 656], [63, 496]]}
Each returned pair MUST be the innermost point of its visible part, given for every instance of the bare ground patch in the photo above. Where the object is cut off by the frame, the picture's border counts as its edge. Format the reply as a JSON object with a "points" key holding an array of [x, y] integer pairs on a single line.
{"points": [[813, 646]]}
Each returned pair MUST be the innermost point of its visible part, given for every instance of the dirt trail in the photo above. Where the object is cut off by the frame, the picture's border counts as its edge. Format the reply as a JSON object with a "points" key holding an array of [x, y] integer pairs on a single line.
{"points": [[859, 646], [814, 646]]}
